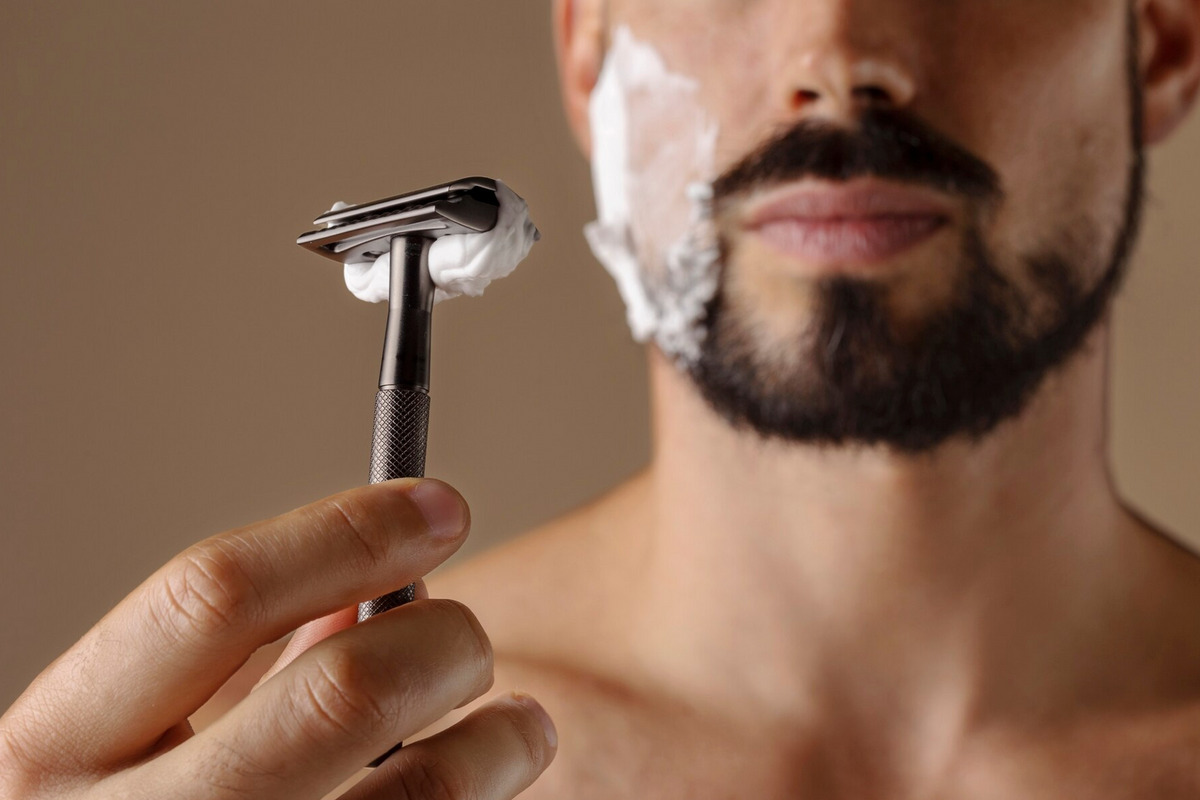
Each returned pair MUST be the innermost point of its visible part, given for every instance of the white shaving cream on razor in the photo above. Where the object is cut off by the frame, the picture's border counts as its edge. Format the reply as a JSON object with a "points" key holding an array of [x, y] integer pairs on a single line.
{"points": [[458, 265]]}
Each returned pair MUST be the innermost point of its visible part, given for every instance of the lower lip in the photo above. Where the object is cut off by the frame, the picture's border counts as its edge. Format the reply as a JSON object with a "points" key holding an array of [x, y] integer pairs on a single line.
{"points": [[848, 239]]}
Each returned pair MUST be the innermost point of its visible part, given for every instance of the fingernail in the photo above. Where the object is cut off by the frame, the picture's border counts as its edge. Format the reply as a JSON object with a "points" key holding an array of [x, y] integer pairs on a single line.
{"points": [[441, 507], [539, 712]]}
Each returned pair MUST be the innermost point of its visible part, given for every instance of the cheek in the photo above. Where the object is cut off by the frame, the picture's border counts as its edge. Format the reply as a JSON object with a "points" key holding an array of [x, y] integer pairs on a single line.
{"points": [[1038, 89], [719, 44], [1046, 102]]}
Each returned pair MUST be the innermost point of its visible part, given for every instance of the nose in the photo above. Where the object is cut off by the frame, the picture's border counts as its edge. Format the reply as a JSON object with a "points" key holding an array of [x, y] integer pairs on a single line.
{"points": [[842, 56]]}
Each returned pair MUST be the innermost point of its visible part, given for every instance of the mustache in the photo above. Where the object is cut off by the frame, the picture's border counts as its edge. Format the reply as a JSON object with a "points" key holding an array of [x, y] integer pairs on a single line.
{"points": [[887, 143]]}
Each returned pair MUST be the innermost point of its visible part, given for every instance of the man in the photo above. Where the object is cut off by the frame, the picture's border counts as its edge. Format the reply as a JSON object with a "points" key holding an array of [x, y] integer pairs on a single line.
{"points": [[877, 552]]}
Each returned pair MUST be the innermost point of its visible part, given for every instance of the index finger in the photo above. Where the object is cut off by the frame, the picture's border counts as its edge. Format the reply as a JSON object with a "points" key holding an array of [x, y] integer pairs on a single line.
{"points": [[157, 656]]}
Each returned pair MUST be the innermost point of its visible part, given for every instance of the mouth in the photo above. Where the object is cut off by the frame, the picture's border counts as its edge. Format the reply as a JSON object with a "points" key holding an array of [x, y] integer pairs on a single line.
{"points": [[863, 223]]}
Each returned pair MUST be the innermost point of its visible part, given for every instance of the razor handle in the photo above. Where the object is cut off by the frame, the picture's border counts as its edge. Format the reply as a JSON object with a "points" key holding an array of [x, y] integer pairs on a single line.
{"points": [[401, 427], [402, 404], [397, 451]]}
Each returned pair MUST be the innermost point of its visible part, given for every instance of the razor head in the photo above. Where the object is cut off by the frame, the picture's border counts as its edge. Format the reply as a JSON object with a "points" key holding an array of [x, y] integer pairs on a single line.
{"points": [[364, 232]]}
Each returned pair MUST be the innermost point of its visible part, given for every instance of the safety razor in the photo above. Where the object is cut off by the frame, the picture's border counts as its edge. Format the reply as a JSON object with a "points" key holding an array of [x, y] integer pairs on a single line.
{"points": [[406, 225]]}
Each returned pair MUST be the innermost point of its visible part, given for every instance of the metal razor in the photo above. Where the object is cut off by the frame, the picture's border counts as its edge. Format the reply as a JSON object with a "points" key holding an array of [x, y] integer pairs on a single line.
{"points": [[407, 225]]}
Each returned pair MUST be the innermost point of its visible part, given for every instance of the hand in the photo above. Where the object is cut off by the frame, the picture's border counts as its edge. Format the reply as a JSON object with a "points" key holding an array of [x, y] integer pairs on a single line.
{"points": [[109, 717]]}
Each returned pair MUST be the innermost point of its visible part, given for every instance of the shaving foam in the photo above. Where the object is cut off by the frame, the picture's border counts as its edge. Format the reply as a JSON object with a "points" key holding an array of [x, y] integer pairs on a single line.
{"points": [[461, 264], [653, 154]]}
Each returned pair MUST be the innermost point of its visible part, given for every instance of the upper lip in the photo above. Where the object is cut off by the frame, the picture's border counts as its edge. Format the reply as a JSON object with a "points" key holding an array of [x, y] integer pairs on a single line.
{"points": [[857, 200]]}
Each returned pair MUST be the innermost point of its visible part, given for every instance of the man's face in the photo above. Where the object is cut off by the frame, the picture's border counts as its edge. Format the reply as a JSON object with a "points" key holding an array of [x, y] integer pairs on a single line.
{"points": [[923, 205]]}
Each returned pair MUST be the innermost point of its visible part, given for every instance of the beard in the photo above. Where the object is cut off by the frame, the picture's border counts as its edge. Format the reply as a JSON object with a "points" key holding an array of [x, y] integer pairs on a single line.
{"points": [[852, 376]]}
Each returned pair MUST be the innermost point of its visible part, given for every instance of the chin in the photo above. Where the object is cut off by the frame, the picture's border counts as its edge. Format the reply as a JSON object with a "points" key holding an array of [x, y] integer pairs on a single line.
{"points": [[781, 301]]}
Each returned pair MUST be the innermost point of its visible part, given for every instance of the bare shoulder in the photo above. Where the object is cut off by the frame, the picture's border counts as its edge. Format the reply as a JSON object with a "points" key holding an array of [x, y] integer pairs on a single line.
{"points": [[1143, 738], [1170, 603], [554, 602], [1151, 753], [553, 592], [555, 599]]}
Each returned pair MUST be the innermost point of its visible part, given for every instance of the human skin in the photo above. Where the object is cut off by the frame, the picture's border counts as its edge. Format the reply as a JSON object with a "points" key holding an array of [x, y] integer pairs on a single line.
{"points": [[772, 620], [749, 619], [109, 718]]}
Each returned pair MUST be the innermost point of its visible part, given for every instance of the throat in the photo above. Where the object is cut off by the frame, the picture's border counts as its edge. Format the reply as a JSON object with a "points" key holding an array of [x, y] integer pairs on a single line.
{"points": [[949, 586]]}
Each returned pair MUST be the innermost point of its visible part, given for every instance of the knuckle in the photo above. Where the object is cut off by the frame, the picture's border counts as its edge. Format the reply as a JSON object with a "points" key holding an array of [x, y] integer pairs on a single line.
{"points": [[229, 769], [206, 590], [361, 525], [18, 769], [337, 694], [424, 776]]}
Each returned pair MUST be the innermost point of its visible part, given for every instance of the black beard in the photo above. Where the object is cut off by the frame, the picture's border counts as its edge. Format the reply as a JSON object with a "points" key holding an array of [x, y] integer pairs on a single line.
{"points": [[972, 364]]}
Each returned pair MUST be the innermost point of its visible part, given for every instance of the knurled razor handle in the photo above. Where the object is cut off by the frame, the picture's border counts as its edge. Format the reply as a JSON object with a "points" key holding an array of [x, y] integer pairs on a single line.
{"points": [[397, 451]]}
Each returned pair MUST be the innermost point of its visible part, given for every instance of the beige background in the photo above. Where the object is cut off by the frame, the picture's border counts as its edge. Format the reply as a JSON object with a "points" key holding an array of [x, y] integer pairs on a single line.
{"points": [[174, 365]]}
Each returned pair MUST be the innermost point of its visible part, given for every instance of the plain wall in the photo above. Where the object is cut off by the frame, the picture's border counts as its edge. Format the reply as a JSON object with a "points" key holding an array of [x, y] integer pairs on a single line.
{"points": [[174, 365]]}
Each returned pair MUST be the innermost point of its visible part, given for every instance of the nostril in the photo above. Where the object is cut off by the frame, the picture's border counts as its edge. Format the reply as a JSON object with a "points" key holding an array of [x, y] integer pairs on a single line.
{"points": [[802, 97], [874, 95]]}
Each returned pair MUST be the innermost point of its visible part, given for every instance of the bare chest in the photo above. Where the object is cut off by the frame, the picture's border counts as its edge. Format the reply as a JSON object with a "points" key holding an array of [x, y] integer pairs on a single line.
{"points": [[623, 749]]}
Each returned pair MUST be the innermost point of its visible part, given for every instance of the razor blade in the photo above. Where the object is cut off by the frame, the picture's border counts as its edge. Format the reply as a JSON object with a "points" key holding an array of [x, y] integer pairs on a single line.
{"points": [[364, 232]]}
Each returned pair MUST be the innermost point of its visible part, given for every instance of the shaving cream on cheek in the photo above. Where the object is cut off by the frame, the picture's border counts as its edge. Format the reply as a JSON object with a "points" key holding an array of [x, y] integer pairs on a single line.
{"points": [[458, 265], [653, 153]]}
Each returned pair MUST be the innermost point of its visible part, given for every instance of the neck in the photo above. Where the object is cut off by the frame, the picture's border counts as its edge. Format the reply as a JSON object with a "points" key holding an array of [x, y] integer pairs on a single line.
{"points": [[969, 579]]}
